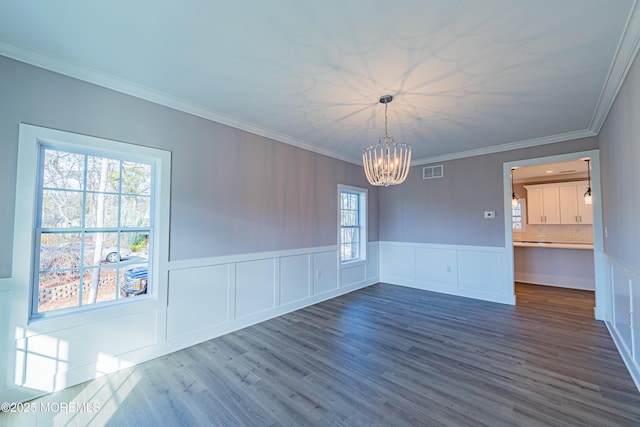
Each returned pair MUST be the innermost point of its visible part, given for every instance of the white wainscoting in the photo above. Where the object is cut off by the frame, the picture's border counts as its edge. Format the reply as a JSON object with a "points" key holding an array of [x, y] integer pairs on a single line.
{"points": [[622, 312], [211, 297], [468, 271], [206, 298]]}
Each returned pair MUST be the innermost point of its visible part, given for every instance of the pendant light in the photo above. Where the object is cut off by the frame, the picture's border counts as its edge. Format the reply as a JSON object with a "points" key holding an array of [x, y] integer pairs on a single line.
{"points": [[587, 195], [388, 162], [514, 197]]}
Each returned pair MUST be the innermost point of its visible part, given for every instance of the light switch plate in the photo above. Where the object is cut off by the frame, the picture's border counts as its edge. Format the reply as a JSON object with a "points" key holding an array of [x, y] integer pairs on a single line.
{"points": [[489, 214]]}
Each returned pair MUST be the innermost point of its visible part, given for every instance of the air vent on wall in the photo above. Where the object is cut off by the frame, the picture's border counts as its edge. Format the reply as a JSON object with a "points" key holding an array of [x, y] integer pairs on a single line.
{"points": [[429, 172]]}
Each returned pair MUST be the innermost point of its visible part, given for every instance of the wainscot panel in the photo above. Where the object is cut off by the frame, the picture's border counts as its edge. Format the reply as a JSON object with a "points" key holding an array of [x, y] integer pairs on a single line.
{"points": [[353, 274], [373, 261], [255, 286], [325, 272], [398, 263], [481, 272], [436, 269], [198, 298], [622, 315], [295, 281]]}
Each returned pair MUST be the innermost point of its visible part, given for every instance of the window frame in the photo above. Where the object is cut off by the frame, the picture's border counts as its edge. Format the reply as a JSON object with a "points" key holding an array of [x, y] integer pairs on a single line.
{"points": [[362, 194], [32, 139]]}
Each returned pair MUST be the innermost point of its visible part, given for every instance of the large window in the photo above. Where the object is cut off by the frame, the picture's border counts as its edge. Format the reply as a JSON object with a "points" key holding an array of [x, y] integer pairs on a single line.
{"points": [[94, 222], [353, 230]]}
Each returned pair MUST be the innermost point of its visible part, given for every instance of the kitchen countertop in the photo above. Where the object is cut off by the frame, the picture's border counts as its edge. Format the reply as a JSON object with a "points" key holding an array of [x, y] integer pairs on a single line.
{"points": [[552, 245]]}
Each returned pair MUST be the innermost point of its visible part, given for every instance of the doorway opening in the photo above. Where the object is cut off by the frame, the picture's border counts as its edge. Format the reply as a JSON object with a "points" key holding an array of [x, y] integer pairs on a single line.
{"points": [[545, 249]]}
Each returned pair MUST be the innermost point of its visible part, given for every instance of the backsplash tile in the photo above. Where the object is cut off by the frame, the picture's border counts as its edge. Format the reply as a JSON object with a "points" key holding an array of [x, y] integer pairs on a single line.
{"points": [[555, 233]]}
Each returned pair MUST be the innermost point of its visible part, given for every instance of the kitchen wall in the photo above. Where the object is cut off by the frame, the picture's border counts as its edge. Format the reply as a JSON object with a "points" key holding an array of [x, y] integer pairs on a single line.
{"points": [[555, 233]]}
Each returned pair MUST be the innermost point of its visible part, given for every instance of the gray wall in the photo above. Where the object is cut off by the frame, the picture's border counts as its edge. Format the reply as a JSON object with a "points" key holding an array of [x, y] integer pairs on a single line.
{"points": [[232, 192], [620, 170], [450, 210]]}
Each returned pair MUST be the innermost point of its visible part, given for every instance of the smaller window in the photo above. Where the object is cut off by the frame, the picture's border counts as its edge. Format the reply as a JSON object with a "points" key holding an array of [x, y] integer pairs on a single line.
{"points": [[352, 211], [518, 215]]}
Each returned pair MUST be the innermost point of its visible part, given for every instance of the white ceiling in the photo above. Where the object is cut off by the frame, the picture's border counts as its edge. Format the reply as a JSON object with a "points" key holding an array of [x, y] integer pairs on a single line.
{"points": [[467, 76], [561, 171]]}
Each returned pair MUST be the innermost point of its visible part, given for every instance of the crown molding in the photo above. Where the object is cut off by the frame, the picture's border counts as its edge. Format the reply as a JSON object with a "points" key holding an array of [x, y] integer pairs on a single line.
{"points": [[507, 147], [139, 91], [623, 59]]}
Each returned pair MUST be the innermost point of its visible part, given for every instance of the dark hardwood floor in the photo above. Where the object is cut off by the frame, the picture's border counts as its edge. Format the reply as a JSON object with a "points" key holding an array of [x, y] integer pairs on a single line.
{"points": [[384, 355]]}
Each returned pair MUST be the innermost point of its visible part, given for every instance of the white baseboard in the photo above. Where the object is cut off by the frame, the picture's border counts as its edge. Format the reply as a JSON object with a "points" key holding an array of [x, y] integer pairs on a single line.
{"points": [[632, 366]]}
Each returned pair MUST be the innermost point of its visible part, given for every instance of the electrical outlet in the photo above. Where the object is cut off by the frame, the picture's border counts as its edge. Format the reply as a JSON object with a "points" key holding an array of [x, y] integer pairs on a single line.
{"points": [[489, 214], [318, 273]]}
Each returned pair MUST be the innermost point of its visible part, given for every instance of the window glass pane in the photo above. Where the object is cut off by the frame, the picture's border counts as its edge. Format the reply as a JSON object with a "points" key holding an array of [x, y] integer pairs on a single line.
{"points": [[61, 209], [353, 218], [136, 178], [101, 210], [62, 170], [135, 281], [103, 174], [58, 290], [101, 248], [355, 252], [136, 245], [59, 251], [516, 216], [345, 218], [135, 211], [103, 279], [353, 201]]}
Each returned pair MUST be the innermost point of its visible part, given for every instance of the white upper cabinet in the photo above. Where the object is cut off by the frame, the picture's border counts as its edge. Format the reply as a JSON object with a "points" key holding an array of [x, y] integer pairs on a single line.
{"points": [[543, 205], [558, 203], [573, 209]]}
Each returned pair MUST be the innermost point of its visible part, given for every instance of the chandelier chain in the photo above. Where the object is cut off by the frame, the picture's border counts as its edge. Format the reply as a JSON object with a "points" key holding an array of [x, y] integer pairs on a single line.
{"points": [[385, 121]]}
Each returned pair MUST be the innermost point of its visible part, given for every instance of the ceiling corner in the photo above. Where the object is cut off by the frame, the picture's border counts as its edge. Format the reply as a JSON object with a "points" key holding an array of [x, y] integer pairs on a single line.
{"points": [[622, 61]]}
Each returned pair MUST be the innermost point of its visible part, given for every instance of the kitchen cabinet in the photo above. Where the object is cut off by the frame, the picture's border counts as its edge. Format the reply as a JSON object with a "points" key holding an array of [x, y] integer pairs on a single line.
{"points": [[543, 204], [573, 209], [558, 203]]}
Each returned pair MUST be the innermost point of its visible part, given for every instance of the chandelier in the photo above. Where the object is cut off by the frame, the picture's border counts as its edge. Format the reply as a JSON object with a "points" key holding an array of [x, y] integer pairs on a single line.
{"points": [[388, 162]]}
